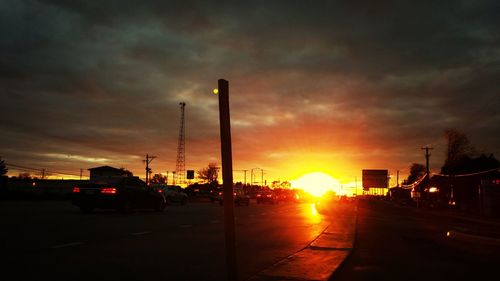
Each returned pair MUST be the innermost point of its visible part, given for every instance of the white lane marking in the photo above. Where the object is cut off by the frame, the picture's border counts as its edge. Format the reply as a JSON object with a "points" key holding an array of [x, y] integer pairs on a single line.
{"points": [[140, 233], [185, 225], [66, 245]]}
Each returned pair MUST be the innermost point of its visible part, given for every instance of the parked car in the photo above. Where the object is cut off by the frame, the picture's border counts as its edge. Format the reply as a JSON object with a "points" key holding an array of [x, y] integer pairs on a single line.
{"points": [[267, 197], [121, 193], [173, 194], [239, 196]]}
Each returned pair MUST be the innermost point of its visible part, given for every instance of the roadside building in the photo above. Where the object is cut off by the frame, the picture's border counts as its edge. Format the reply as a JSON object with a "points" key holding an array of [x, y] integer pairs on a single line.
{"points": [[469, 192], [107, 172]]}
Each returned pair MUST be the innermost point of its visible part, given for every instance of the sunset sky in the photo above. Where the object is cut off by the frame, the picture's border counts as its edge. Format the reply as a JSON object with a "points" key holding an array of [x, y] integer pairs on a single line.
{"points": [[326, 86]]}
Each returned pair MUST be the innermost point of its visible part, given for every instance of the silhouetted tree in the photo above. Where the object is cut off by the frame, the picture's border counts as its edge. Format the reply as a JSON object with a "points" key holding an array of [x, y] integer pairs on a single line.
{"points": [[416, 172], [460, 156], [459, 151], [209, 174], [3, 168], [468, 165], [24, 176], [159, 179], [483, 163]]}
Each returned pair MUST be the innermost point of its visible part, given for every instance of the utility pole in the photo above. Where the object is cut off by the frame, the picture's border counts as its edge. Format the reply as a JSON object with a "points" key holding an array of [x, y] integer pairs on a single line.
{"points": [[147, 161], [397, 178], [252, 175], [180, 166], [81, 172], [227, 179], [245, 171], [262, 177], [167, 178], [356, 184], [427, 155]]}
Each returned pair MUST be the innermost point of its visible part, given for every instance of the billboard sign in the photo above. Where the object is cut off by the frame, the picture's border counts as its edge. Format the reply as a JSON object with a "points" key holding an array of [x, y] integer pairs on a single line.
{"points": [[375, 179]]}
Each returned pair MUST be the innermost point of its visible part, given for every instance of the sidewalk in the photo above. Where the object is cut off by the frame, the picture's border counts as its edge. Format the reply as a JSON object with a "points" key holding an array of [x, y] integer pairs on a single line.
{"points": [[318, 260]]}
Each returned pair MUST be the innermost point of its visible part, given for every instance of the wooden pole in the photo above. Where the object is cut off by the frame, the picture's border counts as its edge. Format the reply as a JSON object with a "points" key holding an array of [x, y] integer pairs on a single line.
{"points": [[227, 179]]}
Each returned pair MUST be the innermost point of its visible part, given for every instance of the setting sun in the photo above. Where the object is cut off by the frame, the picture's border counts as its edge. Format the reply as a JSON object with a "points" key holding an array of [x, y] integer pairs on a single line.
{"points": [[316, 183]]}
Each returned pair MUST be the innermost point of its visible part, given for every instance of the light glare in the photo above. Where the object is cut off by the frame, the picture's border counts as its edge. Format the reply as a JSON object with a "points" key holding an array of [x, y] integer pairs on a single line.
{"points": [[317, 183]]}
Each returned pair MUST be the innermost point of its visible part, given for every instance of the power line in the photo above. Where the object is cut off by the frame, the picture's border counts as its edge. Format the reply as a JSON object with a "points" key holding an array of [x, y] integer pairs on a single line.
{"points": [[468, 175], [43, 171], [59, 173], [22, 167]]}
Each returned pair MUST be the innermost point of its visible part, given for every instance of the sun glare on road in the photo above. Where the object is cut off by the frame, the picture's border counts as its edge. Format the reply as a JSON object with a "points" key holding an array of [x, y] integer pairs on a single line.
{"points": [[316, 183], [314, 216]]}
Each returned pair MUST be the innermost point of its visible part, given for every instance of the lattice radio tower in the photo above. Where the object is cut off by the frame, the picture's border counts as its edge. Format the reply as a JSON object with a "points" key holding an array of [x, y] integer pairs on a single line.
{"points": [[180, 166]]}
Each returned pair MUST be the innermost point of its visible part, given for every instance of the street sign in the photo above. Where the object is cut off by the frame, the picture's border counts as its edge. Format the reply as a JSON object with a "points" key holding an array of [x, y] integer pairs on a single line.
{"points": [[190, 174]]}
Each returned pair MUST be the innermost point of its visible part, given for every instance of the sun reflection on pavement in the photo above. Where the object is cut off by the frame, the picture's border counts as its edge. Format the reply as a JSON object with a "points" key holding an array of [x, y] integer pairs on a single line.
{"points": [[313, 214]]}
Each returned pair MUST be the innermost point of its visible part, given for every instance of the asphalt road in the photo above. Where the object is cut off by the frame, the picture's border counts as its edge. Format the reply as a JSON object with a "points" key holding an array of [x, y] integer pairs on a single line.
{"points": [[404, 243], [52, 240]]}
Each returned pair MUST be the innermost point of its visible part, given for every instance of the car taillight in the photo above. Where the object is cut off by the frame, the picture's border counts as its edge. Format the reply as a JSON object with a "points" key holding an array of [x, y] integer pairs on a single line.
{"points": [[76, 189], [160, 191], [234, 193], [108, 190], [269, 195], [220, 193], [258, 195]]}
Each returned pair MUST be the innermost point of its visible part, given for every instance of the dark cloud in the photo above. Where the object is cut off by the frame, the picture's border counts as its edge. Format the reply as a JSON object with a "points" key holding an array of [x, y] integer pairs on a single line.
{"points": [[103, 80]]}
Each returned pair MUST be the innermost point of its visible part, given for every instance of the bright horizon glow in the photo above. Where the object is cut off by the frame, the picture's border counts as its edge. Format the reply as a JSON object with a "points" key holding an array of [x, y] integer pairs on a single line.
{"points": [[316, 183]]}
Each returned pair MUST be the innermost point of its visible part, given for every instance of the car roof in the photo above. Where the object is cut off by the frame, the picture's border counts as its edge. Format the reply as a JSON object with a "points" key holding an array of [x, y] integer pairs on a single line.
{"points": [[119, 180]]}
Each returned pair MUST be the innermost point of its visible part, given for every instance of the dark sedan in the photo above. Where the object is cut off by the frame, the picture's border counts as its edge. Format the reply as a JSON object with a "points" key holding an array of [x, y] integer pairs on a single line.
{"points": [[267, 197], [240, 198], [124, 194]]}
